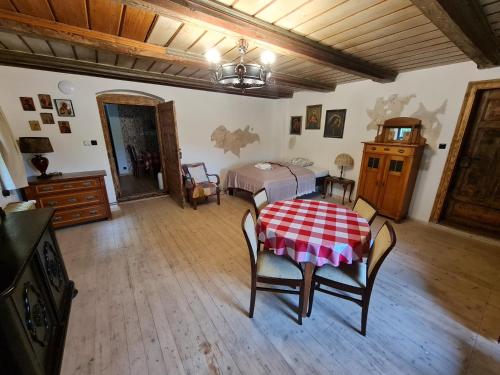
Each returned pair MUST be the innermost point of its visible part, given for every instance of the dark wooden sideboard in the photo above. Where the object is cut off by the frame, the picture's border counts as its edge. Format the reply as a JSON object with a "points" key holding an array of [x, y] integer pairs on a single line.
{"points": [[77, 197], [35, 295]]}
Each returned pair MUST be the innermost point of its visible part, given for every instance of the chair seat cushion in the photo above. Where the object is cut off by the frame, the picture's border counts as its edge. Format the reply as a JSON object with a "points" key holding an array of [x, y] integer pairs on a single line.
{"points": [[349, 274], [204, 189], [272, 265]]}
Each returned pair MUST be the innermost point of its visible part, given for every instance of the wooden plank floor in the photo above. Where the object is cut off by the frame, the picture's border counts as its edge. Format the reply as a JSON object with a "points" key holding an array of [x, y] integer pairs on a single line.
{"points": [[166, 291]]}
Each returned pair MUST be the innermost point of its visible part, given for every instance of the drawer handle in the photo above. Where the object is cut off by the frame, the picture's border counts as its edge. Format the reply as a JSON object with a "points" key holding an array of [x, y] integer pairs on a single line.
{"points": [[45, 188], [57, 218], [386, 149], [401, 151], [72, 200], [93, 212], [90, 197], [68, 186], [87, 183], [76, 216], [52, 203]]}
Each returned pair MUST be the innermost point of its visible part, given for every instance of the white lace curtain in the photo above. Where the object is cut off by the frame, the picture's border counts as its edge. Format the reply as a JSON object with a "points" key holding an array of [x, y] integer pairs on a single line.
{"points": [[12, 172]]}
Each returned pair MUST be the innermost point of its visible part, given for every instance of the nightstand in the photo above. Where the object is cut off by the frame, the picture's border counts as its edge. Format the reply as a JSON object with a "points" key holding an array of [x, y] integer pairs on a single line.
{"points": [[344, 182]]}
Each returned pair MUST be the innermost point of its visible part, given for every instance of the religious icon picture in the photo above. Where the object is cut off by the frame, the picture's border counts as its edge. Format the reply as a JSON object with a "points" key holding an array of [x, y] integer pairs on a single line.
{"points": [[27, 103], [334, 123], [313, 116], [64, 108], [35, 125], [64, 127], [296, 125], [47, 118], [45, 101]]}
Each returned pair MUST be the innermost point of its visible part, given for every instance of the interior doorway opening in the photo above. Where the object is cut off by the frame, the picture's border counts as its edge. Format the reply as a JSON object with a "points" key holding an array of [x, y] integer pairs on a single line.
{"points": [[136, 149]]}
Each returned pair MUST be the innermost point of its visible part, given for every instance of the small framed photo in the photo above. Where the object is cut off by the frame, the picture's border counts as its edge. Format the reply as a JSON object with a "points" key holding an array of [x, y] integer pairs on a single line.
{"points": [[334, 123], [47, 118], [64, 108], [45, 101], [64, 127], [296, 125], [313, 116], [27, 103], [35, 125]]}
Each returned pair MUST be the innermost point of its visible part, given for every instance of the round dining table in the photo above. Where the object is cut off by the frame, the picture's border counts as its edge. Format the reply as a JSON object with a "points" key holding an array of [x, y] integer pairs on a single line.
{"points": [[313, 233]]}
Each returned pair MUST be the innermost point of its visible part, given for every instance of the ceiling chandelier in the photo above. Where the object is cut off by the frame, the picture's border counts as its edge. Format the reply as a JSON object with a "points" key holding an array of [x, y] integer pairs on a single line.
{"points": [[241, 75]]}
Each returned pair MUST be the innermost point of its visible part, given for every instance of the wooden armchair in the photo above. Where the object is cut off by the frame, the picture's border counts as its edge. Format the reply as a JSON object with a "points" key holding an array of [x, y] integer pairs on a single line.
{"points": [[198, 185]]}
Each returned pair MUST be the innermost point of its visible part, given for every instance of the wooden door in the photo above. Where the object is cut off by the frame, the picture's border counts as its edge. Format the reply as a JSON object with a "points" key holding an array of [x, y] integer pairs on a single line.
{"points": [[474, 196], [372, 171], [396, 169], [169, 140]]}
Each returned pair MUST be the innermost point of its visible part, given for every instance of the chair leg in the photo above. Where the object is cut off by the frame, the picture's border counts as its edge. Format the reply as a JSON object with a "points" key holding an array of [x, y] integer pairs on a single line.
{"points": [[364, 314], [311, 299], [195, 204], [252, 296], [218, 198], [301, 302]]}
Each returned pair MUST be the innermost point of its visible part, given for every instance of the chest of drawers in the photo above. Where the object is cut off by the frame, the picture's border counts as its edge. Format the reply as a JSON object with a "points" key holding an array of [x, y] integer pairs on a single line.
{"points": [[76, 197]]}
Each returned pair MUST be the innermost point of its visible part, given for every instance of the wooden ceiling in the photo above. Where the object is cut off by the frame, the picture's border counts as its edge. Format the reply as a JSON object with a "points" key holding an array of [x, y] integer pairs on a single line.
{"points": [[319, 43]]}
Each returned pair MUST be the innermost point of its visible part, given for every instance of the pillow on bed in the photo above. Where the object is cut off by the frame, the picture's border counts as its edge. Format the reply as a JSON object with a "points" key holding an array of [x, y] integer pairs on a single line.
{"points": [[301, 162]]}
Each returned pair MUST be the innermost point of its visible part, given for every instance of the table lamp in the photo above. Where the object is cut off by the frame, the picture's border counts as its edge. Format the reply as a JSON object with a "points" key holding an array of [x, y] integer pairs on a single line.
{"points": [[342, 161], [37, 146]]}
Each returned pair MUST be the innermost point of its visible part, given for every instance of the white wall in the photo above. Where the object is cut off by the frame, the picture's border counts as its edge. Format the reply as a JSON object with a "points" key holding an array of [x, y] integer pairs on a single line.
{"points": [[198, 114], [117, 135], [431, 87]]}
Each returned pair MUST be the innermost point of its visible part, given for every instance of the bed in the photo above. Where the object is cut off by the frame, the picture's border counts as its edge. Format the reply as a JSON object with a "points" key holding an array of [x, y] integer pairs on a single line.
{"points": [[283, 181]]}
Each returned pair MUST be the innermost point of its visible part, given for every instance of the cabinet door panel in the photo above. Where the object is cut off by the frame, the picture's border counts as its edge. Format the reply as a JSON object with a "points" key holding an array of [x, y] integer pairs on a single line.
{"points": [[373, 167], [393, 183]]}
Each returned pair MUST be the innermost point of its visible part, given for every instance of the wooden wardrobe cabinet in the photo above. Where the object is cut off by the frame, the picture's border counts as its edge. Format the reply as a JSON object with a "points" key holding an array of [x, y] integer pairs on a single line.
{"points": [[389, 168]]}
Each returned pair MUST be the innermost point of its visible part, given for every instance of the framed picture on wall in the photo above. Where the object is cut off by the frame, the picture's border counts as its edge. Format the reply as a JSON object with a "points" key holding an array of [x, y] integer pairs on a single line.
{"points": [[64, 107], [334, 123], [296, 125], [35, 125], [27, 103], [47, 118], [64, 127], [45, 101], [313, 116]]}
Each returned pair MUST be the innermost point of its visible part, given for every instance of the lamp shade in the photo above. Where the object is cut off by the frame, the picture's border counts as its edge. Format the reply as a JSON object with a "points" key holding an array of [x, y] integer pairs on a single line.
{"points": [[344, 160], [35, 145]]}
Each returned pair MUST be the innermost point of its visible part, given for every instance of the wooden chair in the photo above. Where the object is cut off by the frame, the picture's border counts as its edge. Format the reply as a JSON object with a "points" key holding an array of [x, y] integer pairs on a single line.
{"points": [[365, 209], [357, 278], [269, 268], [198, 184], [138, 166], [260, 201]]}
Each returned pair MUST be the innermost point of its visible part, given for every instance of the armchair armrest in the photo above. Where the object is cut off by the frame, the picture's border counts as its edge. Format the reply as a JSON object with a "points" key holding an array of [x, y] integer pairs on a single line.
{"points": [[188, 182], [216, 176]]}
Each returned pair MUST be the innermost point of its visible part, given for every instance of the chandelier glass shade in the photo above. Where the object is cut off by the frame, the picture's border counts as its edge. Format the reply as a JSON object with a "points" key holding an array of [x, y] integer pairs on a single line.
{"points": [[241, 75]]}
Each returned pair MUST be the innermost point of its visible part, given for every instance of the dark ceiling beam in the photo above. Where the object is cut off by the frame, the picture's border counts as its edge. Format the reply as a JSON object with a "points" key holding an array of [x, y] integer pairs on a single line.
{"points": [[58, 64], [27, 25], [466, 25], [238, 23]]}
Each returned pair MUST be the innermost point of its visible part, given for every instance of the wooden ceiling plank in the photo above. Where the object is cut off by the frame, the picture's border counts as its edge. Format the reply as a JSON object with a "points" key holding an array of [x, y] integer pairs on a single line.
{"points": [[61, 49], [336, 14], [34, 8], [491, 8], [159, 66], [70, 12], [26, 60], [224, 18], [465, 24], [427, 45], [400, 64], [105, 57], [38, 46], [412, 35], [7, 5], [12, 42], [125, 61], [375, 12], [371, 32], [105, 16], [434, 62], [163, 30], [207, 41], [186, 37], [278, 8], [306, 12], [136, 24], [433, 47], [85, 53], [251, 6], [446, 49], [143, 64]]}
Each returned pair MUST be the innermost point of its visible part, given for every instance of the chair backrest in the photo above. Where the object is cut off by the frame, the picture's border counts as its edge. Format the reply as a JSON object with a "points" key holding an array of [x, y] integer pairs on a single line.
{"points": [[365, 209], [382, 245], [248, 228], [132, 153], [260, 200], [197, 171]]}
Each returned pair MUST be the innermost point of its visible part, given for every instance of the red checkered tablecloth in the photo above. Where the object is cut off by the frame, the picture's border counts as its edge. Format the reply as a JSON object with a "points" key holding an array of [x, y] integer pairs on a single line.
{"points": [[313, 231]]}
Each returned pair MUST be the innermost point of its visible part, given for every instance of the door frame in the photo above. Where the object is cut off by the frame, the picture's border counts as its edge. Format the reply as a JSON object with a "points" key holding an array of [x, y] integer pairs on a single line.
{"points": [[473, 90], [126, 99]]}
